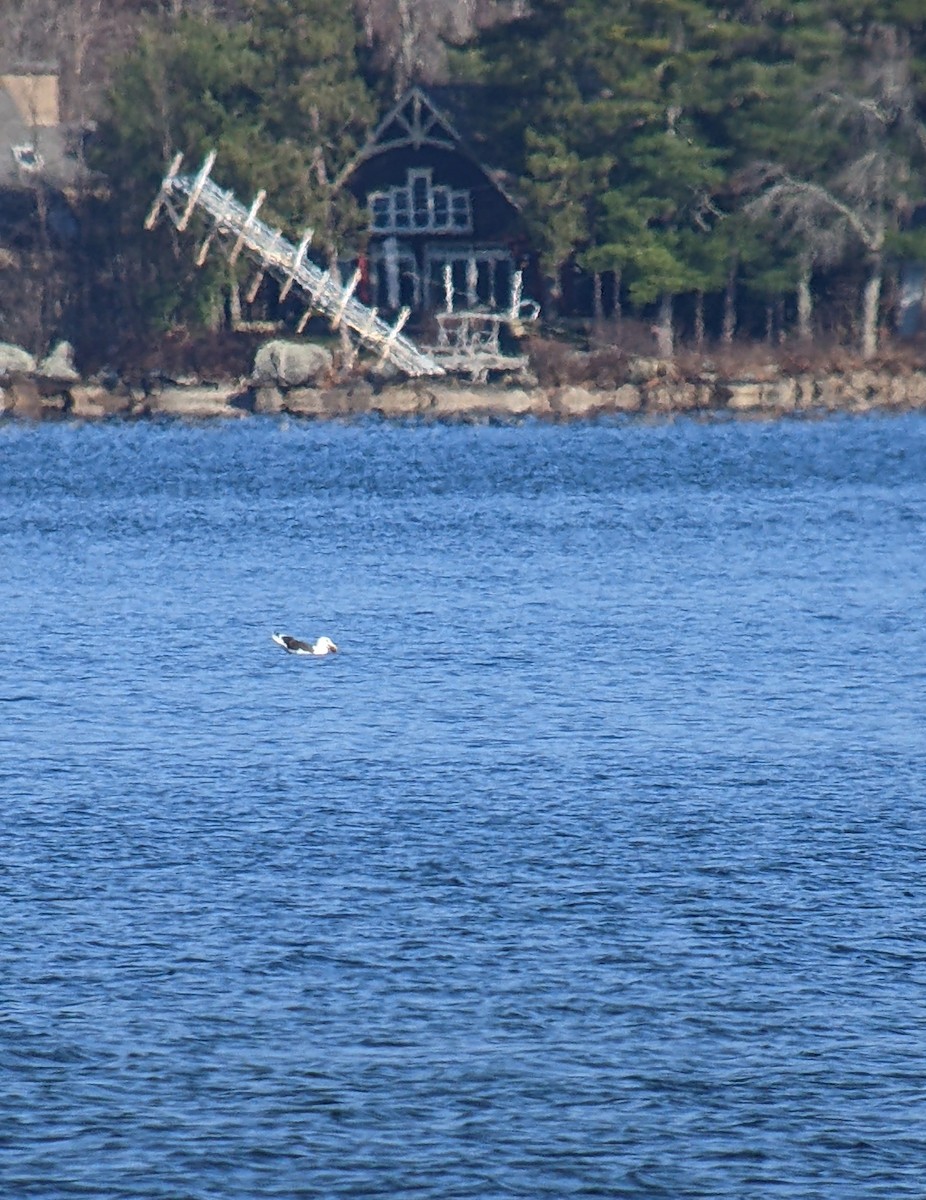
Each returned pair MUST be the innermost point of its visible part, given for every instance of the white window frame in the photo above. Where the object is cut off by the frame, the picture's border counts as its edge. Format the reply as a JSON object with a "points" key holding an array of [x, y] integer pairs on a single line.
{"points": [[27, 158], [393, 210]]}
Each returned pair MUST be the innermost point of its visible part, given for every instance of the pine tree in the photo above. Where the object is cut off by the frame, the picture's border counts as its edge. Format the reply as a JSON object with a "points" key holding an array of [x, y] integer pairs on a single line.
{"points": [[280, 99], [850, 175]]}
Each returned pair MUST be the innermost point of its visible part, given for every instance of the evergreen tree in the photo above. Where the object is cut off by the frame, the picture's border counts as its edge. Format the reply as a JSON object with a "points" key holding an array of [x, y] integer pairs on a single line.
{"points": [[281, 100], [853, 177], [626, 95]]}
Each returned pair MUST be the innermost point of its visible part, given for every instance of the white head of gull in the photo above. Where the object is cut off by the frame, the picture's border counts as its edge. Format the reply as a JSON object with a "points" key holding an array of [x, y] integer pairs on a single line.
{"points": [[322, 645]]}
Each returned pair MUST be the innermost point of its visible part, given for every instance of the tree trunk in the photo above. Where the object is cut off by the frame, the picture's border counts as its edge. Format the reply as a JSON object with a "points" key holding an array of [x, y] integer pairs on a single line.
{"points": [[597, 298], [665, 328], [871, 299], [728, 329], [699, 320], [235, 315], [804, 305]]}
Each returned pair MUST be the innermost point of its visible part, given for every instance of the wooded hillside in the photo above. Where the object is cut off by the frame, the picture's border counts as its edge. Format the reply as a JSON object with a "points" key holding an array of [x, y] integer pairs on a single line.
{"points": [[713, 169]]}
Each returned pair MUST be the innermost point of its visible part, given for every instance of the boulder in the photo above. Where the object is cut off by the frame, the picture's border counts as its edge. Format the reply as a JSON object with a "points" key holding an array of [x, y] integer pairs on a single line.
{"points": [[916, 390], [401, 402], [310, 402], [194, 403], [451, 403], [14, 360], [745, 397], [833, 393], [24, 399], [572, 403], [626, 398], [268, 400], [348, 401], [291, 364], [517, 402], [674, 397], [805, 392], [59, 364], [93, 402]]}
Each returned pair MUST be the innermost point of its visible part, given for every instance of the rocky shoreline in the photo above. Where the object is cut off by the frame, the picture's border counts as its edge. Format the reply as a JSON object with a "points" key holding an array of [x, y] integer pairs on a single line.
{"points": [[54, 391]]}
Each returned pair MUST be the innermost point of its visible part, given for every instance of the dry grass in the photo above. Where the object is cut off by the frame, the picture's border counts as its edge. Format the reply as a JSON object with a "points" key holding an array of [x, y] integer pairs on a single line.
{"points": [[600, 363]]}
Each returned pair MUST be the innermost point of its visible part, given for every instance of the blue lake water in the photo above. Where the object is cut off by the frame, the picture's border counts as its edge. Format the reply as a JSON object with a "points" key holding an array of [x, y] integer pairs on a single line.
{"points": [[593, 866]]}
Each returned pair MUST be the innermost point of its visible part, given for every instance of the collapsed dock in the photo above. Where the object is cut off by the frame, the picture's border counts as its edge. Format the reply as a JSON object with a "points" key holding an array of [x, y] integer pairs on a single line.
{"points": [[467, 343]]}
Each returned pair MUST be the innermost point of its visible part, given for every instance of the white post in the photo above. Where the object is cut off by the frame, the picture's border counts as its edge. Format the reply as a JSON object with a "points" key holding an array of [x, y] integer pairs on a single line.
{"points": [[195, 191], [242, 234], [393, 334], [204, 248], [370, 327], [345, 298], [298, 260], [517, 283], [391, 263], [304, 319], [472, 279], [448, 287], [155, 210], [251, 294], [252, 291]]}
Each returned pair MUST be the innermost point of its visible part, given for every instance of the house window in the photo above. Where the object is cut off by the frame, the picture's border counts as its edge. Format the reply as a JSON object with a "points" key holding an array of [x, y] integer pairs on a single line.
{"points": [[469, 278], [441, 200], [421, 195], [379, 212], [419, 206], [27, 158], [401, 209], [460, 215]]}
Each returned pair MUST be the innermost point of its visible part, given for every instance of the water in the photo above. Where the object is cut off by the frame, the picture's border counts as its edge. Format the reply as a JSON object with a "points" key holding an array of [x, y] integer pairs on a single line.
{"points": [[592, 866]]}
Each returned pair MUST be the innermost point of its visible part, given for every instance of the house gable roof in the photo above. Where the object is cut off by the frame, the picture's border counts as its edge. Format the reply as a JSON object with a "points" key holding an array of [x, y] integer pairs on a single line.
{"points": [[417, 121]]}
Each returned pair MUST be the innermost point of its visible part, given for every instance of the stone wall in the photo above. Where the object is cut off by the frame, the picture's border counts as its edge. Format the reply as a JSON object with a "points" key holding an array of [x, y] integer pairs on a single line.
{"points": [[766, 394]]}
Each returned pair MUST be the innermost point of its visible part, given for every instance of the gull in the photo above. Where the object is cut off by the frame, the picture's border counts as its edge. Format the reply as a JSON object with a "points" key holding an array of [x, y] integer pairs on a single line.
{"points": [[322, 645]]}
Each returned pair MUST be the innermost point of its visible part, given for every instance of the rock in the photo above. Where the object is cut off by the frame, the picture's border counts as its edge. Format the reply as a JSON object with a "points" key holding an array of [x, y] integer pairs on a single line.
{"points": [[357, 397], [805, 393], [744, 397], [194, 403], [460, 403], [516, 403], [24, 399], [402, 402], [59, 364], [351, 401], [574, 403], [916, 390], [831, 392], [309, 402], [626, 398], [674, 397], [268, 400], [291, 364], [15, 361], [91, 402]]}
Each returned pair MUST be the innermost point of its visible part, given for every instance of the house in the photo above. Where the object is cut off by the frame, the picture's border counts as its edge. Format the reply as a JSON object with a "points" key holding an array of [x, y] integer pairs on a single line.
{"points": [[36, 157], [443, 234]]}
